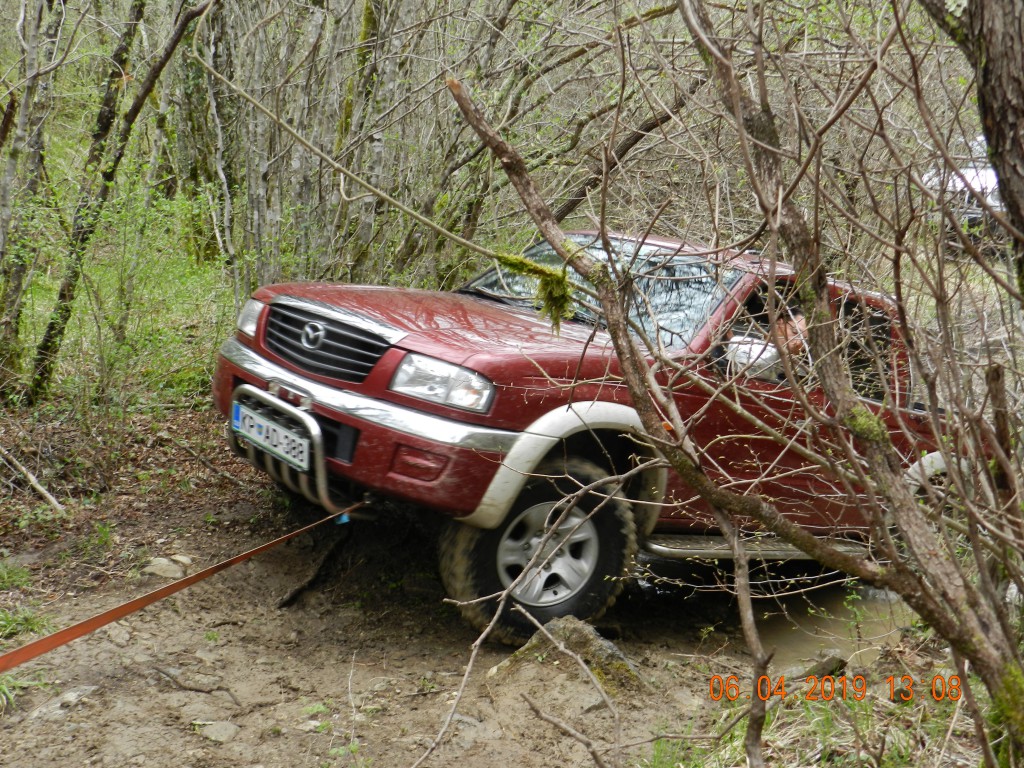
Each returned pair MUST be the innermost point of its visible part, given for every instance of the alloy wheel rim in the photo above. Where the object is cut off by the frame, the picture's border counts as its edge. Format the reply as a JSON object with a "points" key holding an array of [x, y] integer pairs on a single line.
{"points": [[568, 555]]}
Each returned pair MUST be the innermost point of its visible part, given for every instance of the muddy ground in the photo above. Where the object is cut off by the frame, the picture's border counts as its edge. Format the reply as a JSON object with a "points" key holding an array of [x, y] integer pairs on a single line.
{"points": [[366, 665]]}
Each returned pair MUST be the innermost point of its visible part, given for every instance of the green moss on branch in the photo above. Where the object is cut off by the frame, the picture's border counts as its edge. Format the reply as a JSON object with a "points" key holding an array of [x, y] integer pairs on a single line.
{"points": [[554, 291], [865, 425]]}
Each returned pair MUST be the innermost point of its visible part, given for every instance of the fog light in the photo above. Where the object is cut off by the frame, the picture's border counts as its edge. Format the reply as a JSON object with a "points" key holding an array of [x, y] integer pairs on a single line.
{"points": [[417, 464]]}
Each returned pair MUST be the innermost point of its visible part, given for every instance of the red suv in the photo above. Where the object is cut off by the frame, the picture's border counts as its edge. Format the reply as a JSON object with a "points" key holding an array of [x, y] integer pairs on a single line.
{"points": [[468, 403]]}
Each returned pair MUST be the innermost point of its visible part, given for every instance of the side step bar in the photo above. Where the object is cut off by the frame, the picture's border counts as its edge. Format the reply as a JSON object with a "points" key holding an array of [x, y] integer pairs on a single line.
{"points": [[714, 547]]}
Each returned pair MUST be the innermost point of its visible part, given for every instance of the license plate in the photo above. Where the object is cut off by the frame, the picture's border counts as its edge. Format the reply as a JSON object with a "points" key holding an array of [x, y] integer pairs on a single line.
{"points": [[271, 437]]}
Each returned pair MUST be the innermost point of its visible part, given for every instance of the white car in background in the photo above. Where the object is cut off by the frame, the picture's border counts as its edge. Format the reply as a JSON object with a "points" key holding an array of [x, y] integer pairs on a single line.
{"points": [[970, 191]]}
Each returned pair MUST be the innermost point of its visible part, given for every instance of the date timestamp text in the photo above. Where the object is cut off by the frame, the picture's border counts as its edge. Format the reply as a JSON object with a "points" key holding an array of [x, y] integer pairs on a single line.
{"points": [[830, 687]]}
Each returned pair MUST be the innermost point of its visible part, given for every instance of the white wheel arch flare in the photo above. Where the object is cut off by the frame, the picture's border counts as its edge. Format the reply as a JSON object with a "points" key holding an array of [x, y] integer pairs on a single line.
{"points": [[927, 467], [536, 442]]}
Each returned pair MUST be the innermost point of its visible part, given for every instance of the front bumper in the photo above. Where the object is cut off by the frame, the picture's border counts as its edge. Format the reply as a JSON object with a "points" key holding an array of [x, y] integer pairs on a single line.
{"points": [[400, 452]]}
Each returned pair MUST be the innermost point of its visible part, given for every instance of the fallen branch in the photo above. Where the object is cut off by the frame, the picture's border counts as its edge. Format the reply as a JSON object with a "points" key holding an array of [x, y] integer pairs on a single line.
{"points": [[201, 459], [36, 485], [293, 595], [568, 730], [187, 686]]}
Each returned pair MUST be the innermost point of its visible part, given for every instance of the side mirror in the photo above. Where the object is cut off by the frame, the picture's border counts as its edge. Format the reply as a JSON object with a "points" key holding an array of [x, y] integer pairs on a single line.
{"points": [[754, 357]]}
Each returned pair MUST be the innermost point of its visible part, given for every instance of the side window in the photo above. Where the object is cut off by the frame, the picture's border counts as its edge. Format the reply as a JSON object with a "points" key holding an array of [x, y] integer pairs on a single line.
{"points": [[867, 340], [752, 349]]}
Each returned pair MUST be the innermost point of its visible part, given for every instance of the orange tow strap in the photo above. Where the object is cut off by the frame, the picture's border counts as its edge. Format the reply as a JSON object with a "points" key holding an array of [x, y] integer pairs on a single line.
{"points": [[45, 644]]}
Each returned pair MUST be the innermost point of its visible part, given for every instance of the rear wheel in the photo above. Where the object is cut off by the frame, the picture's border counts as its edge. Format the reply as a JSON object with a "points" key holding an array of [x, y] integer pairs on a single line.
{"points": [[559, 557]]}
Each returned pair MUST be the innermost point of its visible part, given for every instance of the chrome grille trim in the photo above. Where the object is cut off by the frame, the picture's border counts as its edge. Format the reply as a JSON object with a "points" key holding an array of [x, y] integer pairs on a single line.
{"points": [[346, 351], [393, 335]]}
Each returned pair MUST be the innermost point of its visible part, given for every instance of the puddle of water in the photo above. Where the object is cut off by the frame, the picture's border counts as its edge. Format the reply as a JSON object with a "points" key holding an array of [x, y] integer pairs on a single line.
{"points": [[854, 622], [807, 616]]}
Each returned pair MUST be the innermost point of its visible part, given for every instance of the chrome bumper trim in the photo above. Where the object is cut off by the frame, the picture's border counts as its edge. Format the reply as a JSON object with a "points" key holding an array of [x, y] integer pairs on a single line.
{"points": [[404, 420]]}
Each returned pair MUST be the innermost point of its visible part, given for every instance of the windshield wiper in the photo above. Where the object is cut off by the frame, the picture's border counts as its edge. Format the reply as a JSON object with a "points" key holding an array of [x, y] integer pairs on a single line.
{"points": [[587, 318], [502, 298]]}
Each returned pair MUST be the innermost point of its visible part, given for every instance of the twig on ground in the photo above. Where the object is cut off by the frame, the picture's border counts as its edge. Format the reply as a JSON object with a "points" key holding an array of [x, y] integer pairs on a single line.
{"points": [[36, 485], [588, 673], [201, 459], [470, 666], [196, 688], [669, 737], [352, 698], [568, 730]]}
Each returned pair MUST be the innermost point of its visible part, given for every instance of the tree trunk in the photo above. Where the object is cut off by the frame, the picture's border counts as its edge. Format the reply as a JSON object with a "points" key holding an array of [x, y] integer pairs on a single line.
{"points": [[990, 33], [932, 582], [96, 186], [91, 200], [13, 266]]}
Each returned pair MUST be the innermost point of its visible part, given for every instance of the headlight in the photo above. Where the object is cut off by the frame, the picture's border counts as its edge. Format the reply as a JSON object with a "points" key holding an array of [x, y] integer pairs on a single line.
{"points": [[444, 383], [249, 316]]}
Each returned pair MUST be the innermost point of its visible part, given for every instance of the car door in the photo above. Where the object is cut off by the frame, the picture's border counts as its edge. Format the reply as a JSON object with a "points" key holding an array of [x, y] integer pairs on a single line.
{"points": [[753, 429]]}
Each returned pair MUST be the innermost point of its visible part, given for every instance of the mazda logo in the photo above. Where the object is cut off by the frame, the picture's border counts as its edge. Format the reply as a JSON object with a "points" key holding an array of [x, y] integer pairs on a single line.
{"points": [[313, 335]]}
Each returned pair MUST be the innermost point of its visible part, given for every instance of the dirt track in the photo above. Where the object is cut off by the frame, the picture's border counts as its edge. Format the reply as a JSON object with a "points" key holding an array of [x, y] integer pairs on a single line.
{"points": [[364, 667]]}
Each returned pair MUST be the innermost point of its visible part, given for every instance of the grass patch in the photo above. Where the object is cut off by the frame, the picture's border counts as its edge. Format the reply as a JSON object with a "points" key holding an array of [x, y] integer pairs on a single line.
{"points": [[11, 687], [667, 753], [13, 576], [43, 519], [100, 540], [316, 709], [149, 316], [21, 621]]}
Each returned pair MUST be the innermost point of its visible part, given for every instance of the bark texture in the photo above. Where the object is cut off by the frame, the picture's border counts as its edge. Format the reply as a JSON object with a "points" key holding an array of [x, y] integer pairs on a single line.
{"points": [[990, 33]]}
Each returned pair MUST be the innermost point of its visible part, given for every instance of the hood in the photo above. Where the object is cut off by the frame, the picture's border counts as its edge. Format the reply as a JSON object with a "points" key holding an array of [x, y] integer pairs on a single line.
{"points": [[468, 330]]}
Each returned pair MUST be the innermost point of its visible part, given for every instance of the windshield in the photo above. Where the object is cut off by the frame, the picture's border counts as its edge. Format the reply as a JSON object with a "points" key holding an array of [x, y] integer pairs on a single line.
{"points": [[670, 296]]}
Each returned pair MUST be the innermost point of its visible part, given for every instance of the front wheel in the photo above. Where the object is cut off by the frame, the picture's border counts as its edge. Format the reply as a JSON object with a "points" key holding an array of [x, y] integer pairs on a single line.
{"points": [[557, 554]]}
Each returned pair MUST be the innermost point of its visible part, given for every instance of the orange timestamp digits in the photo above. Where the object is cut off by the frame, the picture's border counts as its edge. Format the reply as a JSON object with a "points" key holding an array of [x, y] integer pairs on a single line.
{"points": [[823, 688], [728, 688], [942, 688], [826, 687], [829, 687]]}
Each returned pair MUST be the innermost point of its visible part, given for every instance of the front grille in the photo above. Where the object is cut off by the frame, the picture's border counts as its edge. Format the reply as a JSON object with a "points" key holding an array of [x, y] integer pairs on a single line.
{"points": [[332, 348]]}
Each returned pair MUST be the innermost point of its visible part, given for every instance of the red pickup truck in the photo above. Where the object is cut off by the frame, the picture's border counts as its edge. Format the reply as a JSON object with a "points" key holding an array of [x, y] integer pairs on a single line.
{"points": [[469, 404]]}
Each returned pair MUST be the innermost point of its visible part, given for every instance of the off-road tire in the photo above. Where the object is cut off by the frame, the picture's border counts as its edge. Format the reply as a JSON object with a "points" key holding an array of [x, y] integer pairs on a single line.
{"points": [[599, 554]]}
